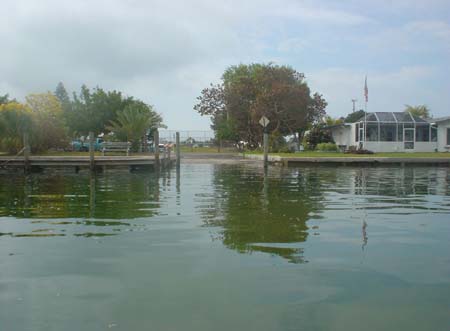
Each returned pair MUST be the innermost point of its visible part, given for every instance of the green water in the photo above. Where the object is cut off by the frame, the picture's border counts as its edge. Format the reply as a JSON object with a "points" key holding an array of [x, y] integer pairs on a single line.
{"points": [[226, 247]]}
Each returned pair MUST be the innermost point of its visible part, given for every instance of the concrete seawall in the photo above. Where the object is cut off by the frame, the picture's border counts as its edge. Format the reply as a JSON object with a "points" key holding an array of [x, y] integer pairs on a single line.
{"points": [[353, 160]]}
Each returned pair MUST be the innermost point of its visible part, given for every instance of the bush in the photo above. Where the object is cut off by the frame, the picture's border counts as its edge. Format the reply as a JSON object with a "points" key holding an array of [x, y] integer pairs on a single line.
{"points": [[358, 151], [316, 136], [286, 149], [327, 147]]}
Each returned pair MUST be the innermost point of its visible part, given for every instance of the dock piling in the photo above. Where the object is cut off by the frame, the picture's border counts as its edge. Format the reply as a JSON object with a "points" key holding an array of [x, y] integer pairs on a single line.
{"points": [[156, 143], [178, 148], [26, 152], [91, 151]]}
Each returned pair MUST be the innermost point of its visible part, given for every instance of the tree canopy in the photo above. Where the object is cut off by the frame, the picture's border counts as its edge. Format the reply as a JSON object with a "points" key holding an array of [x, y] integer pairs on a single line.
{"points": [[355, 116], [52, 118], [248, 92], [4, 99], [49, 129], [15, 120], [93, 110]]}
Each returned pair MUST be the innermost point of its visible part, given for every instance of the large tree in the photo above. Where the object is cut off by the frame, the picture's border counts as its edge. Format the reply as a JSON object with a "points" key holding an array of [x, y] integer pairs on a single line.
{"points": [[49, 129], [15, 120], [64, 99], [93, 110], [248, 92]]}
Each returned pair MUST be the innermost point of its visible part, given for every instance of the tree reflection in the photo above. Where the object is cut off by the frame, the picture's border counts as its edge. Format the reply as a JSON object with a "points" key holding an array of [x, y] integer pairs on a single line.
{"points": [[112, 195], [264, 212]]}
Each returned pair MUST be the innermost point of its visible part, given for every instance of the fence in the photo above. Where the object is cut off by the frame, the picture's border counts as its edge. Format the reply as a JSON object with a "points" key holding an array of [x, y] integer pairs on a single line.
{"points": [[199, 138], [191, 140]]}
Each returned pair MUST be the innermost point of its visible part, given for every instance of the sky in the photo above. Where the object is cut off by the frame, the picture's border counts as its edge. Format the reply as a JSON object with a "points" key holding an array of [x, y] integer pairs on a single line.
{"points": [[166, 52]]}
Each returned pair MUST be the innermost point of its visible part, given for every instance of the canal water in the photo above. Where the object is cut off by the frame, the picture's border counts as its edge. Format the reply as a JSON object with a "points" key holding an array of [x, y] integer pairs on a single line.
{"points": [[226, 247]]}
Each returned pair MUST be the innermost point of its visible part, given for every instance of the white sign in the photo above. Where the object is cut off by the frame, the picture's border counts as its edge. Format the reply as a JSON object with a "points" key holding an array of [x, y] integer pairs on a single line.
{"points": [[264, 121]]}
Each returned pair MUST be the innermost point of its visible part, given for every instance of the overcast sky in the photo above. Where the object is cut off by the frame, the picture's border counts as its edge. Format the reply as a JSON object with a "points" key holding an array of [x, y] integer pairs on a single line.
{"points": [[165, 52]]}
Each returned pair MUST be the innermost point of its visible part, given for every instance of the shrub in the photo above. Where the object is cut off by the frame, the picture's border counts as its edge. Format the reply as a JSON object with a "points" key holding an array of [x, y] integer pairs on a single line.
{"points": [[327, 147], [286, 149], [358, 151], [316, 136]]}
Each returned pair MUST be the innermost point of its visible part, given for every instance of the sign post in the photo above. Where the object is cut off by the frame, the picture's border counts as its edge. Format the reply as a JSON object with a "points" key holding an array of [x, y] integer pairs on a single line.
{"points": [[264, 121]]}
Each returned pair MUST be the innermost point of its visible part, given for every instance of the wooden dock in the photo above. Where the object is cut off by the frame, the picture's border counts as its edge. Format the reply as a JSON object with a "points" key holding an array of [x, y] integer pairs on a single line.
{"points": [[78, 161]]}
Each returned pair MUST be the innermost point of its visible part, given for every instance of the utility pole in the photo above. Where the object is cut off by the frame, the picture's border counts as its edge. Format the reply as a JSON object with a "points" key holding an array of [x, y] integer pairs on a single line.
{"points": [[354, 103]]}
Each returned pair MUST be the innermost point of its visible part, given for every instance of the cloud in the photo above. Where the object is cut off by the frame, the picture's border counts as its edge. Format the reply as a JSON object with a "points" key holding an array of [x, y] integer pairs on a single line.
{"points": [[388, 91], [165, 52]]}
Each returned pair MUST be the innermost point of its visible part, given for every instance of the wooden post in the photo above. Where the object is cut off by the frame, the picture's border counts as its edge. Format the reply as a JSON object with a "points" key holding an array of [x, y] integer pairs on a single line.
{"points": [[266, 148], [26, 152], [156, 143], [178, 148], [91, 151]]}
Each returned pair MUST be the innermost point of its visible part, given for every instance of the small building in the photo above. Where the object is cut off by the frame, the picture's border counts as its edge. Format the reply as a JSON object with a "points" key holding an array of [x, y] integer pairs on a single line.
{"points": [[394, 132]]}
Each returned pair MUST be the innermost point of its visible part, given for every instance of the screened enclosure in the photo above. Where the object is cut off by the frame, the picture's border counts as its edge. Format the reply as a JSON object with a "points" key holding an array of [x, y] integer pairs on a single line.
{"points": [[394, 127]]}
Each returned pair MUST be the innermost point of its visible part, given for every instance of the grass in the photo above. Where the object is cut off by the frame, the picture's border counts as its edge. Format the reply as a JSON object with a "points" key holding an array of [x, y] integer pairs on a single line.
{"points": [[337, 154]]}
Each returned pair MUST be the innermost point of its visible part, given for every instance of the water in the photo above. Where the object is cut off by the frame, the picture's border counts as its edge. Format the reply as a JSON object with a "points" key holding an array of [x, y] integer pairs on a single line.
{"points": [[226, 247]]}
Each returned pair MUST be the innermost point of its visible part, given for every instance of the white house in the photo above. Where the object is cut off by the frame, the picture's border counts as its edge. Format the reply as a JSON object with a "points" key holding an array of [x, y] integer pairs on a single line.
{"points": [[394, 132]]}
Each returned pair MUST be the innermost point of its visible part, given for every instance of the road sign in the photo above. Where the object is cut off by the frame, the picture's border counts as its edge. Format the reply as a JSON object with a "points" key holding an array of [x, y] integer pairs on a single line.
{"points": [[264, 121]]}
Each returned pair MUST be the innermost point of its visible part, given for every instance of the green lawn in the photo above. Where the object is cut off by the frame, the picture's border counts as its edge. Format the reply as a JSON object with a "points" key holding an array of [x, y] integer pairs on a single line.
{"points": [[336, 154]]}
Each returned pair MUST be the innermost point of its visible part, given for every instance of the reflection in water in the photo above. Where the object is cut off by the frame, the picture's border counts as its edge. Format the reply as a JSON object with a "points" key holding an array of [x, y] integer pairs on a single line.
{"points": [[133, 251], [249, 209], [81, 200], [364, 234], [113, 195], [268, 211], [262, 211]]}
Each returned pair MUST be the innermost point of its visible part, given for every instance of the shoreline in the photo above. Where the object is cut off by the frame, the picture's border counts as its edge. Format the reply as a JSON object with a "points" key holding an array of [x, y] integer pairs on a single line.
{"points": [[352, 160]]}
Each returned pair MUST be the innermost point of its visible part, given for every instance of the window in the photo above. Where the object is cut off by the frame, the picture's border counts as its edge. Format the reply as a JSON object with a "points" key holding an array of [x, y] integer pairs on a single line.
{"points": [[357, 132], [388, 132], [422, 132], [448, 136], [372, 131]]}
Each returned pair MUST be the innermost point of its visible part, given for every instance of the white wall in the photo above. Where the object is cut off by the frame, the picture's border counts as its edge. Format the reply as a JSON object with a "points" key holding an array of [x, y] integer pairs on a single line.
{"points": [[345, 135], [341, 135], [398, 146], [442, 136]]}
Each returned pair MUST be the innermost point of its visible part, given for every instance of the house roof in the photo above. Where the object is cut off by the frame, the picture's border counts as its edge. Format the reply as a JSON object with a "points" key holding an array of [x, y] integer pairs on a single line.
{"points": [[392, 117], [439, 119]]}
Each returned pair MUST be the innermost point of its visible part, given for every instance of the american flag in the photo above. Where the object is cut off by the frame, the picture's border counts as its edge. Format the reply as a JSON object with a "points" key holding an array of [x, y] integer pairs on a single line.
{"points": [[366, 90]]}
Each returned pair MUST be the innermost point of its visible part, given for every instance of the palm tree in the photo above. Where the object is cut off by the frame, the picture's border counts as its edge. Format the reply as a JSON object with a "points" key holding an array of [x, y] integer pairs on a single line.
{"points": [[134, 122], [420, 110]]}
